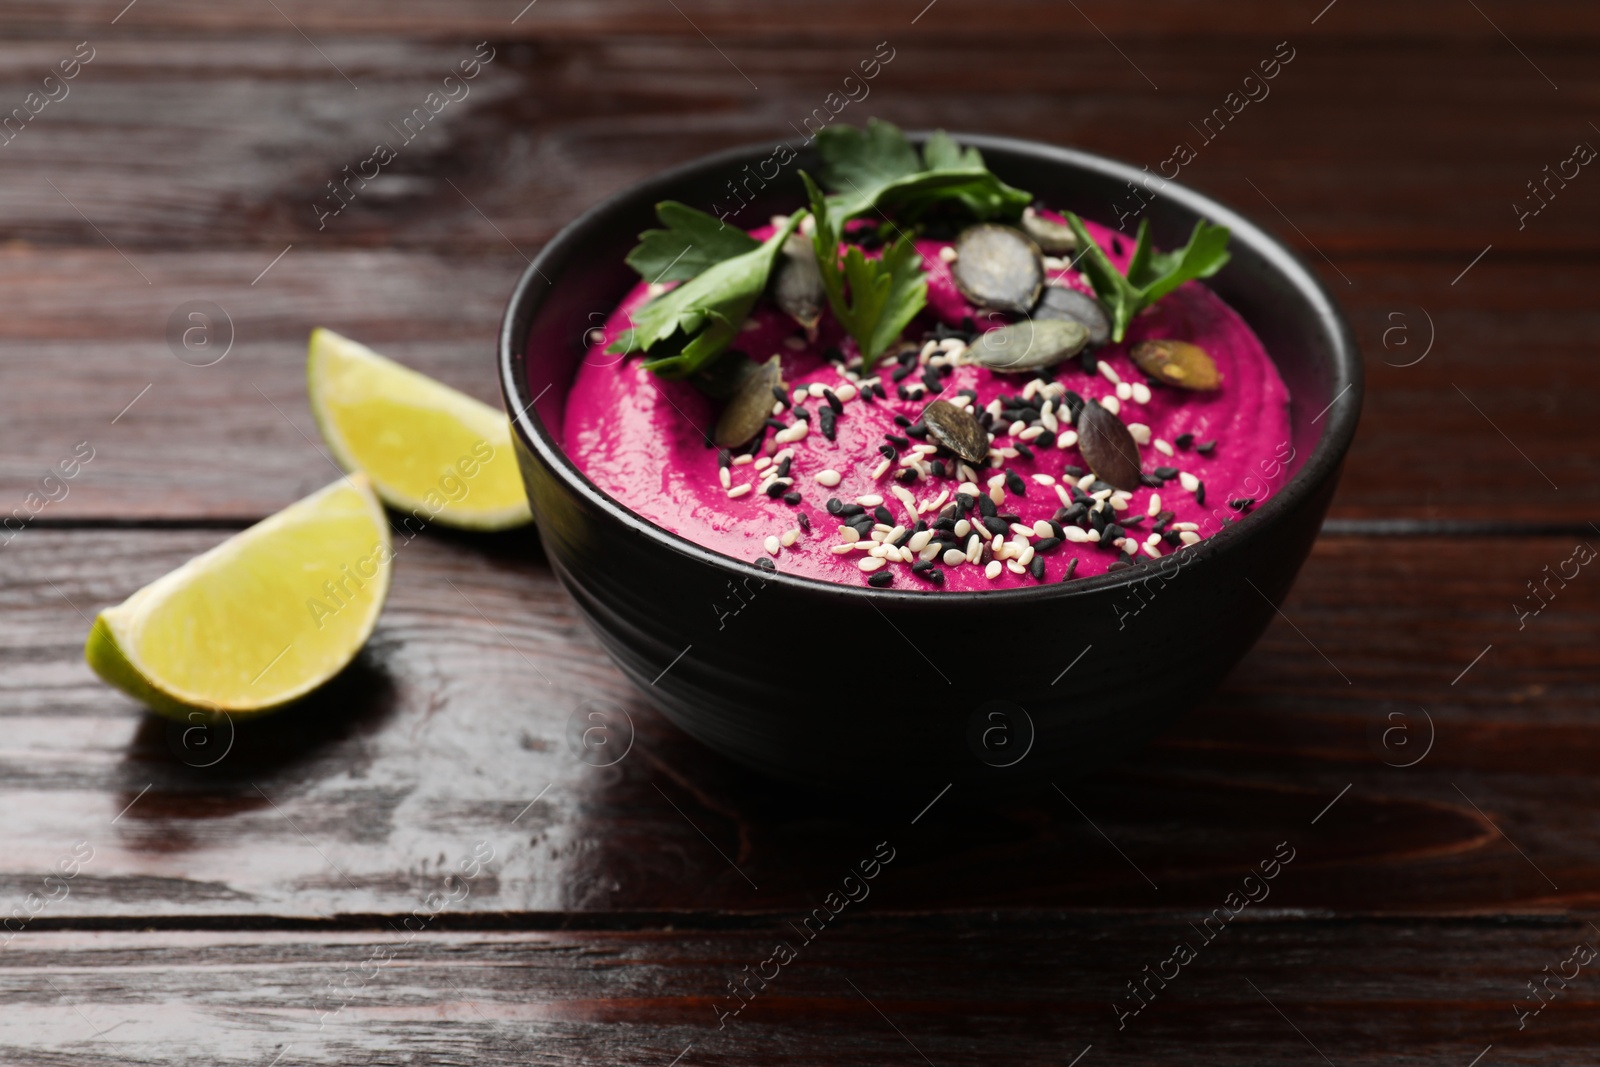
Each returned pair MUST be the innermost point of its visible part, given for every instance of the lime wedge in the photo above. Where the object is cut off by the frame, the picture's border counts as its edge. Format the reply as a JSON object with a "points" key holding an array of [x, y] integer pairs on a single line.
{"points": [[260, 620], [429, 450]]}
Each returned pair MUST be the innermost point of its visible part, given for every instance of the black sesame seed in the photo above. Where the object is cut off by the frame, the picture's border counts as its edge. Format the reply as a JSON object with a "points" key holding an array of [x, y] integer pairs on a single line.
{"points": [[833, 401], [921, 565], [879, 390], [917, 429], [850, 511], [825, 419], [776, 487], [1132, 520], [1163, 517], [1036, 568], [1200, 493], [777, 424], [1166, 474], [986, 506], [783, 468], [995, 525], [1089, 362], [791, 499], [966, 502], [902, 392], [944, 524], [724, 457], [801, 413], [804, 520], [1079, 496], [1119, 565], [902, 539], [1045, 440], [901, 420], [888, 451], [879, 579], [902, 372], [883, 515], [1172, 538], [1015, 483], [1205, 448], [1116, 246], [907, 357], [1072, 566], [1074, 403], [1023, 450], [935, 576], [765, 563], [1183, 440], [1046, 544], [905, 475], [1071, 471], [937, 467], [1112, 531], [832, 354], [1151, 481], [1244, 503], [1055, 528], [930, 378], [834, 505], [898, 441], [868, 394], [1097, 486]]}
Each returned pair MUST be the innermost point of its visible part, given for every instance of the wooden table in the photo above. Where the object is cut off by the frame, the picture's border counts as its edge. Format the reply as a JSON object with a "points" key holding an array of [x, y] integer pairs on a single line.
{"points": [[1425, 754]]}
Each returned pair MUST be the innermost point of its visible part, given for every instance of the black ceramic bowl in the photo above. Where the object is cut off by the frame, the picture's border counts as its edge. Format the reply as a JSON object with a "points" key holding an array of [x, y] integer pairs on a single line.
{"points": [[850, 686]]}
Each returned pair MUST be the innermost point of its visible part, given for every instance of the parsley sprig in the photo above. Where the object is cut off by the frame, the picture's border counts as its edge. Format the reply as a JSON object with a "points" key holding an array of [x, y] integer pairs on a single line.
{"points": [[873, 299], [876, 168], [1151, 274]]}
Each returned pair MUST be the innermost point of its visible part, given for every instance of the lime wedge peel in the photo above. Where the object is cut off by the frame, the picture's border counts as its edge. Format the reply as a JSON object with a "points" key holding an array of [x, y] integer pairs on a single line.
{"points": [[261, 619], [430, 450]]}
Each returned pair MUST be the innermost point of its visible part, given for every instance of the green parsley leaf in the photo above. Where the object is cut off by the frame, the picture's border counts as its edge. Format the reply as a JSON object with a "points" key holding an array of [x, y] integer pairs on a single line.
{"points": [[692, 242], [1151, 274], [696, 321], [884, 294], [878, 169]]}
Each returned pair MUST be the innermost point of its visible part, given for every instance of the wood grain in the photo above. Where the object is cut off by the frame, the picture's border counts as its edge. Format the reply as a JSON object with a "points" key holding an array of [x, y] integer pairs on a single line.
{"points": [[453, 729], [949, 990]]}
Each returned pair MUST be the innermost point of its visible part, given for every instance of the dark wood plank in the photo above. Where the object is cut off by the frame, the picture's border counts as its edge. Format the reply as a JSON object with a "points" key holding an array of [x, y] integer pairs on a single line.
{"points": [[1366, 141], [235, 441], [1037, 989], [451, 729]]}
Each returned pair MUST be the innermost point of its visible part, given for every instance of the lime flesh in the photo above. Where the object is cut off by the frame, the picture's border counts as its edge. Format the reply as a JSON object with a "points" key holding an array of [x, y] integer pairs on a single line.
{"points": [[260, 620], [430, 450]]}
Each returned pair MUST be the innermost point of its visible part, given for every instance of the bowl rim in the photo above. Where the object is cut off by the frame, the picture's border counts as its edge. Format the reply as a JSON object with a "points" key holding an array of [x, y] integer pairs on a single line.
{"points": [[534, 286]]}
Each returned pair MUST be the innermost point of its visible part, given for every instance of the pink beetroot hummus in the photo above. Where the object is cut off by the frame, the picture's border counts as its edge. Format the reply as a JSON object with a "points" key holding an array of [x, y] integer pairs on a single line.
{"points": [[642, 440]]}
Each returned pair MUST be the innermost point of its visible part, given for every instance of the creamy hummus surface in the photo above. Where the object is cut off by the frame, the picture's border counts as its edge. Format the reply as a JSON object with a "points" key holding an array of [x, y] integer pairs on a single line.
{"points": [[644, 441]]}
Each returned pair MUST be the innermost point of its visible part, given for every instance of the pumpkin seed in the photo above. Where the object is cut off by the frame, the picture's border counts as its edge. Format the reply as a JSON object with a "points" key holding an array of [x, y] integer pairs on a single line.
{"points": [[1107, 447], [751, 405], [1055, 238], [1028, 345], [1177, 363], [1057, 302], [797, 288], [957, 430], [998, 267]]}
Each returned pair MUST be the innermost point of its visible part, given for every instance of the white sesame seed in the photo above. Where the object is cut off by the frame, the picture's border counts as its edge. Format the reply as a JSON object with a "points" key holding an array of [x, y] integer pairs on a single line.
{"points": [[1001, 550], [763, 462], [1067, 439], [904, 496], [1151, 550], [1119, 503], [840, 550], [925, 450], [871, 563], [968, 477], [1189, 537], [1124, 390], [1185, 526], [1188, 481], [741, 460], [1110, 373], [1128, 545], [829, 478], [928, 349], [974, 548], [1103, 494], [795, 432], [1155, 505], [1054, 264], [800, 394], [738, 491], [1016, 567], [938, 502], [969, 487], [1141, 393], [789, 537], [1025, 557], [1048, 418], [1086, 481], [948, 253], [655, 289], [779, 221], [1110, 403], [849, 533], [845, 393], [777, 408], [1044, 479], [1075, 534], [1139, 432], [1020, 530], [992, 571], [1093, 536], [1031, 433], [1016, 427], [881, 469], [596, 335], [1162, 447], [816, 389], [1030, 390], [1066, 497], [919, 540], [998, 495], [871, 500], [954, 557], [929, 552], [878, 533], [953, 345], [963, 527], [772, 546], [726, 476], [894, 533], [864, 545]]}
